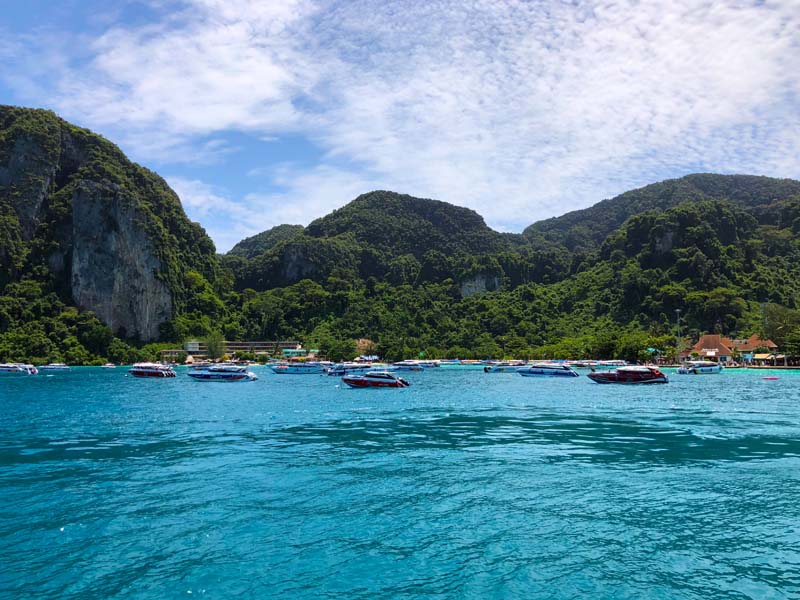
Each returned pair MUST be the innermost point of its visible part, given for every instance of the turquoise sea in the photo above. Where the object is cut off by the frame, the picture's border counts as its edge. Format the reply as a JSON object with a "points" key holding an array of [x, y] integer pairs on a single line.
{"points": [[465, 485]]}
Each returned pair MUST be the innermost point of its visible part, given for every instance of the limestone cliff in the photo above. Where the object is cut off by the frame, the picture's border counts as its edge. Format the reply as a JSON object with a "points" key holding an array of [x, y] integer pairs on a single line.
{"points": [[109, 235]]}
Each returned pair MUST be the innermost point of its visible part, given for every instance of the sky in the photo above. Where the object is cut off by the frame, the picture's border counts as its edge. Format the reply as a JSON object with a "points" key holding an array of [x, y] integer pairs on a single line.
{"points": [[261, 112]]}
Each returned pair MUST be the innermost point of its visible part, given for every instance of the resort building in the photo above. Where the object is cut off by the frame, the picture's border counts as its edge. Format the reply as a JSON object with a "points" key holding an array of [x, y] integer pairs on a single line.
{"points": [[719, 348], [198, 348]]}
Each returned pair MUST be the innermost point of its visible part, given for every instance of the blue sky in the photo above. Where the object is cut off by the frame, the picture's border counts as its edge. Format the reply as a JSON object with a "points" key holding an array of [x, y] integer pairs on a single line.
{"points": [[260, 113]]}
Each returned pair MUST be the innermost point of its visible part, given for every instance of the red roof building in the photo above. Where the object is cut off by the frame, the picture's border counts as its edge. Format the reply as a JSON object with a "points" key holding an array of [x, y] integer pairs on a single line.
{"points": [[753, 343], [720, 348]]}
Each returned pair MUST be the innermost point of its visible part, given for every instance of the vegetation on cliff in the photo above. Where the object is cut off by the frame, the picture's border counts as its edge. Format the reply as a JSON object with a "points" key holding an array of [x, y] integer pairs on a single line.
{"points": [[413, 275]]}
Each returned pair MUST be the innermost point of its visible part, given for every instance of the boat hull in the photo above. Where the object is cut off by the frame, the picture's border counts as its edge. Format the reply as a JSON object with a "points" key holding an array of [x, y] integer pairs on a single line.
{"points": [[151, 374], [206, 376], [292, 370], [544, 372], [624, 376], [151, 371], [700, 370], [17, 369], [380, 381]]}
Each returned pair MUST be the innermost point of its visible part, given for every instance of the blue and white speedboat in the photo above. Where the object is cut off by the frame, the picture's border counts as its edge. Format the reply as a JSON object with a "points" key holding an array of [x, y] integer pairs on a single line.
{"points": [[408, 365], [354, 368], [700, 367], [547, 370], [298, 368], [222, 372]]}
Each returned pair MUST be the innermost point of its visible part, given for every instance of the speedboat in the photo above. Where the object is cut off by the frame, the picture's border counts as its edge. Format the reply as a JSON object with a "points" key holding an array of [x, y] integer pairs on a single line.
{"points": [[377, 379], [109, 366], [298, 368], [547, 370], [17, 369], [611, 363], [629, 375], [505, 366], [699, 367], [54, 367], [222, 372], [340, 369], [408, 365], [148, 369], [429, 364]]}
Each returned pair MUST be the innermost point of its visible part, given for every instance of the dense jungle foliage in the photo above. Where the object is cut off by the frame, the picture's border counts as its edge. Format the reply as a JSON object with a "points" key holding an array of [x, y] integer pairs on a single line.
{"points": [[422, 276]]}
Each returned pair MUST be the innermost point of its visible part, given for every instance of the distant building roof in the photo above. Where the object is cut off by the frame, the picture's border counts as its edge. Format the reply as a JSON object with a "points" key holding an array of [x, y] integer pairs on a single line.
{"points": [[719, 345], [753, 342]]}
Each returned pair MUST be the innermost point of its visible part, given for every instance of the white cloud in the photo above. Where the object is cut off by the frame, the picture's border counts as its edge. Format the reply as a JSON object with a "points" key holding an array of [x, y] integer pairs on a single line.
{"points": [[519, 110], [305, 195], [224, 219]]}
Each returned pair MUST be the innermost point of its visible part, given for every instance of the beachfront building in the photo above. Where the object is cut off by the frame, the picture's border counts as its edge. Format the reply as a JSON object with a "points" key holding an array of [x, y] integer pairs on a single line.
{"points": [[719, 348], [198, 348]]}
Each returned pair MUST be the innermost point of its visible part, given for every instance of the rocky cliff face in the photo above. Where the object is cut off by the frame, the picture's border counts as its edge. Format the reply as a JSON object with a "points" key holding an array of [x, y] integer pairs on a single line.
{"points": [[479, 284], [114, 269], [108, 234]]}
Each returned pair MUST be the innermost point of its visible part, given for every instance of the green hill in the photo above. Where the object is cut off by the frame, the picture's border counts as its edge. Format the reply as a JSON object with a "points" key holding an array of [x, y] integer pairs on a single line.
{"points": [[97, 257], [586, 229], [265, 241], [88, 237]]}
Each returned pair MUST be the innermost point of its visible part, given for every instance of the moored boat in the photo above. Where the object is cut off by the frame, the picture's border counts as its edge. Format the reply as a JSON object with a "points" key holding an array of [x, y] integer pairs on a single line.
{"points": [[151, 370], [353, 368], [629, 375], [547, 370], [376, 379], [506, 366], [298, 368], [109, 366], [17, 369], [700, 367], [54, 367], [222, 372], [408, 365]]}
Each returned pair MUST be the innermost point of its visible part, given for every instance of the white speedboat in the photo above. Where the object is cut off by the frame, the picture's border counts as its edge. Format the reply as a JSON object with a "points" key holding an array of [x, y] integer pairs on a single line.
{"points": [[17, 369], [408, 365], [298, 368], [109, 366], [222, 372], [54, 367], [506, 366], [352, 368], [151, 370], [700, 367], [547, 370], [606, 364]]}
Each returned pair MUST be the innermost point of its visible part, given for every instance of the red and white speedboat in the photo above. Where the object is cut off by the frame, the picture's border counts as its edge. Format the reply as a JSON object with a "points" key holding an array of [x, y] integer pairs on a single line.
{"points": [[630, 375], [377, 379], [151, 370]]}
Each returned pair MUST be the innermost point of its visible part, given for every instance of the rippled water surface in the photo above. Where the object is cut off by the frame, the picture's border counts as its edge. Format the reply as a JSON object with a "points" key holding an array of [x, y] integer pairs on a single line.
{"points": [[465, 485]]}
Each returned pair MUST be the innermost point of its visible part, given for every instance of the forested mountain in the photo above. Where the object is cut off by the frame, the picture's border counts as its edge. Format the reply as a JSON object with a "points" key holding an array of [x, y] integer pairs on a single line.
{"points": [[586, 229], [84, 229], [265, 241], [97, 257]]}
